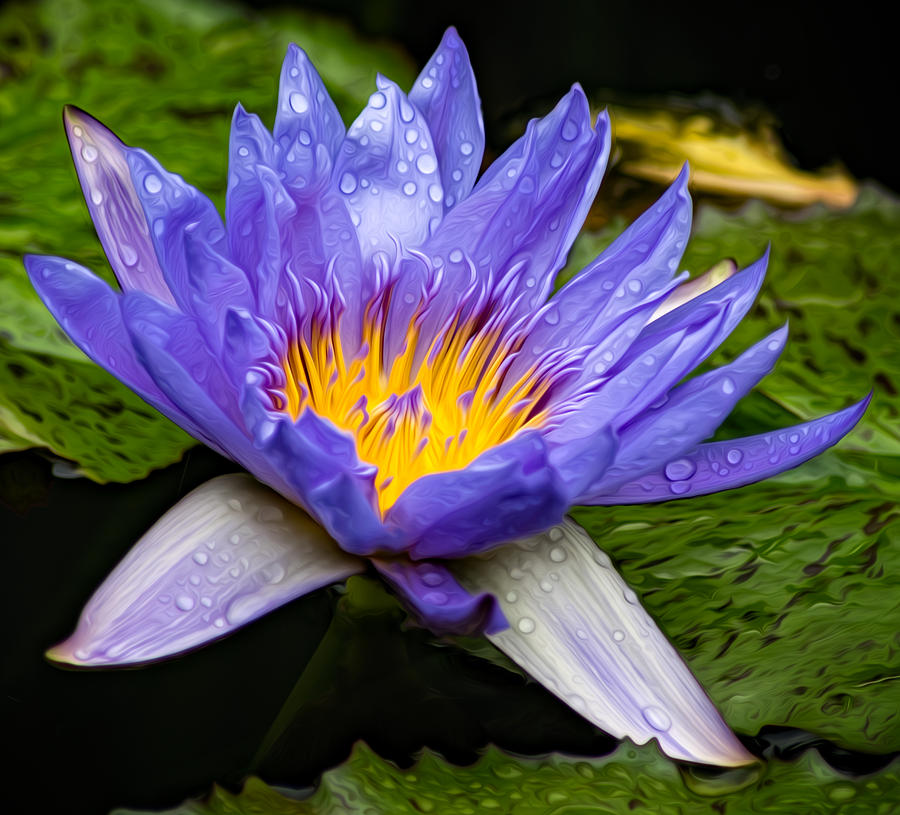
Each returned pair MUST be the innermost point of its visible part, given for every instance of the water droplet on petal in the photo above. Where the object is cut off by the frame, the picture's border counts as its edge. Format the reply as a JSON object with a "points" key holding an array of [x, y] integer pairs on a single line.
{"points": [[299, 103], [426, 164], [234, 504], [456, 256], [89, 152], [680, 469], [657, 718], [435, 193], [511, 596], [525, 625], [546, 586], [409, 188], [557, 554], [466, 148], [427, 82], [437, 598], [734, 456], [432, 579], [128, 255], [184, 602], [377, 100], [152, 183], [200, 558], [348, 183], [618, 635], [630, 597], [728, 385]]}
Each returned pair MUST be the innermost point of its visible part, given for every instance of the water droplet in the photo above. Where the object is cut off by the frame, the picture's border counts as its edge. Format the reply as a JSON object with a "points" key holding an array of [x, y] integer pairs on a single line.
{"points": [[377, 100], [466, 148], [409, 188], [630, 597], [437, 598], [184, 602], [206, 602], [426, 164], [89, 152], [456, 175], [570, 130], [304, 138], [376, 126], [432, 579], [242, 151], [680, 469], [96, 196], [728, 385], [194, 580], [234, 504], [407, 114], [556, 159], [576, 702], [200, 558], [657, 718], [618, 635], [270, 514], [525, 625], [555, 533], [581, 633], [511, 596], [299, 103], [348, 183], [679, 487], [427, 82], [152, 183], [275, 573], [295, 72], [635, 286], [234, 539], [235, 571], [128, 255], [219, 623], [734, 456], [435, 193], [557, 554], [78, 131], [516, 574], [546, 586], [456, 256]]}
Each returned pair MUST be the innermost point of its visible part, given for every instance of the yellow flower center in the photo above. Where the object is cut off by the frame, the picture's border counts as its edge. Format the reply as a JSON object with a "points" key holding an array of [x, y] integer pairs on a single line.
{"points": [[419, 413]]}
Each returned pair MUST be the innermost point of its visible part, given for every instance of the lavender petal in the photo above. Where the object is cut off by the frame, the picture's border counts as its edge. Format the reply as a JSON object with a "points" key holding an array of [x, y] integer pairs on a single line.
{"points": [[227, 553], [578, 629]]}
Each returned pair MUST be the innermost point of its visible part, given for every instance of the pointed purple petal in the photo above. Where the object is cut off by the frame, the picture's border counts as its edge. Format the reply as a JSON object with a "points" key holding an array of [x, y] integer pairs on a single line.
{"points": [[508, 491], [306, 114], [101, 160], [691, 413], [174, 209], [227, 553], [579, 630], [725, 465], [447, 95], [387, 171], [439, 601]]}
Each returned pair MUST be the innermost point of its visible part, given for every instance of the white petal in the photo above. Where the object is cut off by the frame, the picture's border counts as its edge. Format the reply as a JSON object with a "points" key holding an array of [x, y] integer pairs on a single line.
{"points": [[227, 553], [577, 628]]}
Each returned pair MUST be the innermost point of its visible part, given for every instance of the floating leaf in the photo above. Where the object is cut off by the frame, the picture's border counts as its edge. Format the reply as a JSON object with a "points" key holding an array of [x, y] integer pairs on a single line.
{"points": [[630, 780]]}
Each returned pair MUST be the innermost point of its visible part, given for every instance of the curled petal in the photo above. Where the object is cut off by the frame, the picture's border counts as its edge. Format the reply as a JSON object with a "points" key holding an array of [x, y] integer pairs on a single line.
{"points": [[101, 160], [437, 598], [577, 628], [724, 465], [447, 95], [508, 491], [224, 555], [697, 286]]}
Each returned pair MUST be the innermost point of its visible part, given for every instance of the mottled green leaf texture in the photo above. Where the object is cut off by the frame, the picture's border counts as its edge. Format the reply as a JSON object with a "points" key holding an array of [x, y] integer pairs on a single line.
{"points": [[165, 76], [630, 780]]}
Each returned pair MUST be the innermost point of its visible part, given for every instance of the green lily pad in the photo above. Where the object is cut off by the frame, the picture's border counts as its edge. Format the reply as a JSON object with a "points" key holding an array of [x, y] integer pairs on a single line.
{"points": [[630, 780], [165, 76]]}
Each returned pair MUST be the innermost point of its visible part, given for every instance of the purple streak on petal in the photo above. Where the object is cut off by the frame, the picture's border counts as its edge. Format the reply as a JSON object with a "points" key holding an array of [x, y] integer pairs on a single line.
{"points": [[447, 95], [579, 630], [227, 553], [174, 209], [725, 465], [508, 491], [115, 207], [387, 172], [306, 114], [691, 413], [439, 601], [90, 313]]}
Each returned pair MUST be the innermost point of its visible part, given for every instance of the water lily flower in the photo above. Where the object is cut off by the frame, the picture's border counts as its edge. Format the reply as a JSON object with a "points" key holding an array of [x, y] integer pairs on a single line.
{"points": [[371, 334]]}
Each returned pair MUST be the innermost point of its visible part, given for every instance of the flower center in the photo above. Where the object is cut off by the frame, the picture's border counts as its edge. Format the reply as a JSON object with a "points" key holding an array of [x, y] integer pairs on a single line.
{"points": [[427, 410]]}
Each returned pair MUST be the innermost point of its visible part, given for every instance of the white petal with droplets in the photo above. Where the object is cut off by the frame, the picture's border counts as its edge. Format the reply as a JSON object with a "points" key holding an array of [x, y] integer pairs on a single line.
{"points": [[225, 554], [578, 628]]}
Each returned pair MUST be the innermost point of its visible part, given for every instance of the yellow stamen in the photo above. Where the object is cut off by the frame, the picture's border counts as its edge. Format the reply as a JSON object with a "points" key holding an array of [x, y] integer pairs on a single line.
{"points": [[425, 413]]}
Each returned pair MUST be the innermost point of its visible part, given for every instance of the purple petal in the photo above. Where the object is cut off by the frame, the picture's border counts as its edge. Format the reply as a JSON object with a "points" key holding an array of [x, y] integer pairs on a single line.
{"points": [[724, 465], [90, 313], [578, 629], [306, 115], [387, 172], [696, 286], [437, 598], [447, 95], [691, 413], [637, 268], [508, 491], [174, 209], [227, 553], [102, 164], [581, 450]]}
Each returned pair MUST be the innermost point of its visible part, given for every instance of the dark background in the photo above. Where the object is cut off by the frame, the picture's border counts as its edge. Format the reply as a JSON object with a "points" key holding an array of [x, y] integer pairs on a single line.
{"points": [[85, 741]]}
